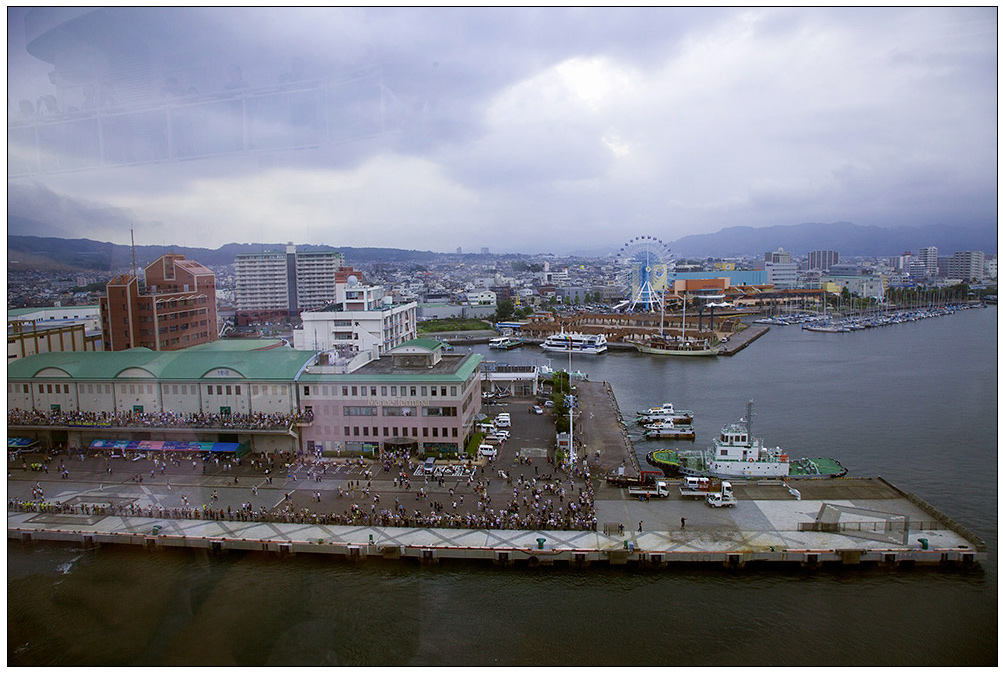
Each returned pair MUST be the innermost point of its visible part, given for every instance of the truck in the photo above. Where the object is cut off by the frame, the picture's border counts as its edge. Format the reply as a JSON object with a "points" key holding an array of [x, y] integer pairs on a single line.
{"points": [[723, 498], [660, 489], [700, 487], [620, 478]]}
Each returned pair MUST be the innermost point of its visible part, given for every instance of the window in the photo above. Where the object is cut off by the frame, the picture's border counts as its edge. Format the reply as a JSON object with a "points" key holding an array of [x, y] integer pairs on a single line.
{"points": [[66, 388], [438, 411], [347, 431], [360, 411], [400, 411], [424, 391], [434, 391], [386, 431], [355, 431], [344, 391], [424, 432], [454, 432], [237, 389], [393, 391], [229, 390], [48, 387], [435, 432], [414, 391], [376, 431], [210, 389], [414, 432], [355, 391], [383, 391], [363, 391], [442, 391], [219, 390], [365, 431]]}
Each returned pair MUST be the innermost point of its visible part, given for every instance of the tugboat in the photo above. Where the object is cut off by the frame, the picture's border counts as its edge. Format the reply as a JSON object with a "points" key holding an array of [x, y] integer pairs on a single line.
{"points": [[736, 453]]}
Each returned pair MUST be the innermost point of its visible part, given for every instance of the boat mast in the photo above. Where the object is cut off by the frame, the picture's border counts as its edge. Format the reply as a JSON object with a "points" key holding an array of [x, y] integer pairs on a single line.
{"points": [[748, 420]]}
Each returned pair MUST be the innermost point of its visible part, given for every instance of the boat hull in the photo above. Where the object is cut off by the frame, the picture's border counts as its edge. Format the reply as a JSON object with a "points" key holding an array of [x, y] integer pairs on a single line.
{"points": [[704, 352]]}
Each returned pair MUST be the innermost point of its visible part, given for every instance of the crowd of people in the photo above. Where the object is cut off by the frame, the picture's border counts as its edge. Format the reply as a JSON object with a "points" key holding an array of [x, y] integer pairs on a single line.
{"points": [[161, 419]]}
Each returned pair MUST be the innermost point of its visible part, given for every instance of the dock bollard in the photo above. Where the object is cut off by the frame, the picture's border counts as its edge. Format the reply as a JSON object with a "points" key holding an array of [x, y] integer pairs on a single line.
{"points": [[924, 543], [540, 541]]}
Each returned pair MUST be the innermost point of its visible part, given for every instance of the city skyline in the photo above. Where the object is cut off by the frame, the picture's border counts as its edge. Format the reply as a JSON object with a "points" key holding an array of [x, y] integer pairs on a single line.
{"points": [[497, 130]]}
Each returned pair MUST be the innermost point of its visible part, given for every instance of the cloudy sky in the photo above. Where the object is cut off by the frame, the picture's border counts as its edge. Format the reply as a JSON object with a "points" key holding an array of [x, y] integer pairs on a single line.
{"points": [[522, 130]]}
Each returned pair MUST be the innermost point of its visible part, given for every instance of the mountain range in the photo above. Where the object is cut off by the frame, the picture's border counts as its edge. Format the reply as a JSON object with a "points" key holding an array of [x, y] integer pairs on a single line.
{"points": [[846, 238]]}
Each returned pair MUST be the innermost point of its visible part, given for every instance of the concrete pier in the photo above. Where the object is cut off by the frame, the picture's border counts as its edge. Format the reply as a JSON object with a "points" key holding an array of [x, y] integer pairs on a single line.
{"points": [[775, 529], [843, 521]]}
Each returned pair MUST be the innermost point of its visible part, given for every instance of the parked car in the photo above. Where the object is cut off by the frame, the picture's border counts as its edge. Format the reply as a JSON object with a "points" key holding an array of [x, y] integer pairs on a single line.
{"points": [[487, 450], [536, 409]]}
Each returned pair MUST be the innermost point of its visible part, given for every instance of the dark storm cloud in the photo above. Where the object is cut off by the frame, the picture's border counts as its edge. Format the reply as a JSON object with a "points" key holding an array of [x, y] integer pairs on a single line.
{"points": [[519, 128]]}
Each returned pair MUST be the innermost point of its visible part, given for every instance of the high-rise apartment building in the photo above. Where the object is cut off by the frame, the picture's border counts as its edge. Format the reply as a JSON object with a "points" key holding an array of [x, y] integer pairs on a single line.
{"points": [[928, 258], [176, 308], [822, 260], [968, 265], [286, 282]]}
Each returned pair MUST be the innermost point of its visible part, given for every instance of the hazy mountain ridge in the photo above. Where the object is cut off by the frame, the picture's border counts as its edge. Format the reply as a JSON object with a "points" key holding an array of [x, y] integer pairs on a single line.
{"points": [[83, 253], [846, 238]]}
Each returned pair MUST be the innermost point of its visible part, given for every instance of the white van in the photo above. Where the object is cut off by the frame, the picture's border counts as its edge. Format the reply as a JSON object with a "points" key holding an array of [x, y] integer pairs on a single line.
{"points": [[487, 450], [503, 420]]}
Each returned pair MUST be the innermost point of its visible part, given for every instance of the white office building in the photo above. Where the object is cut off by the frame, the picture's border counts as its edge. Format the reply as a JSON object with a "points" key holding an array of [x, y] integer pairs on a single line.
{"points": [[361, 319]]}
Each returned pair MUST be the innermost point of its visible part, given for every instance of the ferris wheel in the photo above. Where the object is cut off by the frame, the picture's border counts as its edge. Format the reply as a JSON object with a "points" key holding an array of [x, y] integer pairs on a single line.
{"points": [[645, 272]]}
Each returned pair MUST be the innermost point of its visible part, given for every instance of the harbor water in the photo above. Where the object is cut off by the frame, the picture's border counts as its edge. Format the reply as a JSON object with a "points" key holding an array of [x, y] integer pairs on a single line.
{"points": [[913, 403]]}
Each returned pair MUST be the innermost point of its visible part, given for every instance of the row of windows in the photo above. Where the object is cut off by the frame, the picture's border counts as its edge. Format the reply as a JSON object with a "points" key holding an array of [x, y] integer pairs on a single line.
{"points": [[384, 391], [437, 412], [403, 432], [132, 388]]}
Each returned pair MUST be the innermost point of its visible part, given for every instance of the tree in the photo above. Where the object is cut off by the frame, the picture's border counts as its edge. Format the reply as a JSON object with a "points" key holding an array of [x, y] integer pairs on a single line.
{"points": [[505, 310]]}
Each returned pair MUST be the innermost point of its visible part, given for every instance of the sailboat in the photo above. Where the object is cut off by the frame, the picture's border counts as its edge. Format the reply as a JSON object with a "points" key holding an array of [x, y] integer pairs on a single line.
{"points": [[662, 344]]}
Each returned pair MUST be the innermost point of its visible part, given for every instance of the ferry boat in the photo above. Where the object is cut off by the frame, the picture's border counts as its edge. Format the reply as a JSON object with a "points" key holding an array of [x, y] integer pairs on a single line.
{"points": [[737, 454], [575, 342], [504, 343], [668, 430], [665, 412], [665, 345]]}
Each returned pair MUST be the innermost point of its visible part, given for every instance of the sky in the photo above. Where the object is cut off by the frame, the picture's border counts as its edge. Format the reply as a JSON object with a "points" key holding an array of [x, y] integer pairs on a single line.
{"points": [[520, 130]]}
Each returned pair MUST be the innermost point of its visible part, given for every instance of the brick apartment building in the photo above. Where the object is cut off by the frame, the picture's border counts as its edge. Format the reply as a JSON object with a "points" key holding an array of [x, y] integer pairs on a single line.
{"points": [[175, 308]]}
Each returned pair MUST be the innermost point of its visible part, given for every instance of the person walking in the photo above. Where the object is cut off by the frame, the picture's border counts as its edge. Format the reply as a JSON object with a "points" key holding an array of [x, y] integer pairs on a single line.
{"points": [[682, 523], [640, 525]]}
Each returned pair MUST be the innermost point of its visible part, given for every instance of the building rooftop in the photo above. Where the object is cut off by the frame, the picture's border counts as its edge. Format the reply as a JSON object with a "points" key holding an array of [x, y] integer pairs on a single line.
{"points": [[282, 364], [450, 369]]}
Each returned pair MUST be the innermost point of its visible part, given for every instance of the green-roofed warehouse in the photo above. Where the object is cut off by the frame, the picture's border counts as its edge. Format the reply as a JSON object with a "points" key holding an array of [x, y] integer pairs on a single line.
{"points": [[278, 399]]}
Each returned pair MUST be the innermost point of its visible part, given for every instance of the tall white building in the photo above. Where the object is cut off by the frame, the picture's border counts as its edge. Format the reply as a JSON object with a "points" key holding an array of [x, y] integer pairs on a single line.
{"points": [[286, 281], [928, 258]]}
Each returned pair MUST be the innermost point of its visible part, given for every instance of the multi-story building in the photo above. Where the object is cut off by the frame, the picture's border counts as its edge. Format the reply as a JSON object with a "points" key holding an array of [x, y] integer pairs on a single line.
{"points": [[280, 399], [780, 256], [822, 260], [967, 265], [418, 398], [990, 268], [361, 319], [53, 329], [928, 258], [782, 275], [175, 308], [275, 283]]}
